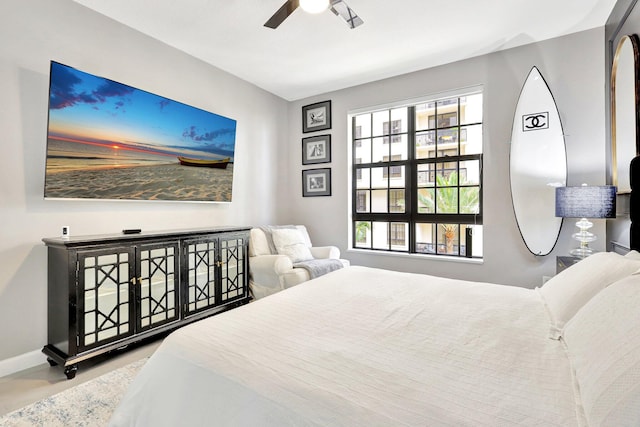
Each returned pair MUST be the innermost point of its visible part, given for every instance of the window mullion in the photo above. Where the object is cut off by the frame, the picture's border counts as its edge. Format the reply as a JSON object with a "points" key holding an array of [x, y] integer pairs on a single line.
{"points": [[411, 178], [387, 135]]}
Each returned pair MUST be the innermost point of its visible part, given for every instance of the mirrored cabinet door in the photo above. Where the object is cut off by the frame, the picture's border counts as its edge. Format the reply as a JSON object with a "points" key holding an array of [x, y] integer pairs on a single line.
{"points": [[157, 284], [105, 305], [233, 256], [201, 274]]}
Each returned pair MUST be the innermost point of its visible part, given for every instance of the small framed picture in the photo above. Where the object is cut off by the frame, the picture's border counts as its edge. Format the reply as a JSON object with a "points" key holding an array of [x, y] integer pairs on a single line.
{"points": [[316, 182], [316, 117], [316, 149]]}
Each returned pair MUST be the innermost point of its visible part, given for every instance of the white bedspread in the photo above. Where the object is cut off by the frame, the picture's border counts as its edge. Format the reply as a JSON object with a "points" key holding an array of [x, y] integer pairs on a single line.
{"points": [[362, 347]]}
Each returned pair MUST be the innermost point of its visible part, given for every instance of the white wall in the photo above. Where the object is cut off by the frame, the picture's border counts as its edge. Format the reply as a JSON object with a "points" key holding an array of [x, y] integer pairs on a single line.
{"points": [[573, 68], [33, 32]]}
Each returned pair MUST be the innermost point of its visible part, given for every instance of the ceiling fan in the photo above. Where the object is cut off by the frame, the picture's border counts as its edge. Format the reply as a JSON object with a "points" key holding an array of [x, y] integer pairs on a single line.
{"points": [[338, 7]]}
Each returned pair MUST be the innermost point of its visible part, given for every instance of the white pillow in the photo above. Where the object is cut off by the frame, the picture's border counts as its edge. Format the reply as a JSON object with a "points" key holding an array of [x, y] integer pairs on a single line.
{"points": [[291, 242], [633, 255], [565, 293], [603, 343]]}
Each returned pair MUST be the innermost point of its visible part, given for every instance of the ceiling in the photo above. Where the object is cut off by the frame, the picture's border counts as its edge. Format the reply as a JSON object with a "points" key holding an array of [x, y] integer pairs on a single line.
{"points": [[314, 54]]}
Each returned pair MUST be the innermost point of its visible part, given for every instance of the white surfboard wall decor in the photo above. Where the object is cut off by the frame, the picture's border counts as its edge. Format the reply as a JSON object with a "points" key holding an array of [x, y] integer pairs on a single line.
{"points": [[537, 164]]}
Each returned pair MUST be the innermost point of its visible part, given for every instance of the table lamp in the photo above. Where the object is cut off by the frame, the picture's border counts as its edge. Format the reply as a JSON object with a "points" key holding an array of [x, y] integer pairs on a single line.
{"points": [[585, 202]]}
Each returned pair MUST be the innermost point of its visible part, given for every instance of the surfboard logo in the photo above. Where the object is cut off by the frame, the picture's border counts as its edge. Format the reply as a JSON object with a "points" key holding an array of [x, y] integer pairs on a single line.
{"points": [[535, 121]]}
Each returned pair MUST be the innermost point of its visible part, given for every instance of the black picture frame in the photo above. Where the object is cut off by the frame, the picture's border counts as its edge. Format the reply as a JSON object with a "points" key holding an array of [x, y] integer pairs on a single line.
{"points": [[316, 182], [316, 149], [316, 117]]}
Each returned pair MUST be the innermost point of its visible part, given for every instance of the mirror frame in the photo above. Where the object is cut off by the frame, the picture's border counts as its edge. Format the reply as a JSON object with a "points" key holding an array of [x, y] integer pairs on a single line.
{"points": [[617, 146]]}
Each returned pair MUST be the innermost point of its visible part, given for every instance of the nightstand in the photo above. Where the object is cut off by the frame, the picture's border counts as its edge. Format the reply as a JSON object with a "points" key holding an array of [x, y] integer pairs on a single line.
{"points": [[563, 262]]}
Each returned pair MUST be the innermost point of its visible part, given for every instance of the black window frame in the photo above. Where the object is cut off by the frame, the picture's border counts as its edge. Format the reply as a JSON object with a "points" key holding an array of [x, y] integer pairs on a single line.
{"points": [[411, 216]]}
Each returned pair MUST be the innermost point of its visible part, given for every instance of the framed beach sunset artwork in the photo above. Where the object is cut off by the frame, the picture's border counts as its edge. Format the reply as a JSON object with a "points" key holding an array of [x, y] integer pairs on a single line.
{"points": [[107, 140]]}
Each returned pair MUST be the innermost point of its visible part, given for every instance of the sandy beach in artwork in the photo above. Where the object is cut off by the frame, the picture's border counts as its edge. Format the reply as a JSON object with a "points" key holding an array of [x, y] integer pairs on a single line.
{"points": [[152, 182]]}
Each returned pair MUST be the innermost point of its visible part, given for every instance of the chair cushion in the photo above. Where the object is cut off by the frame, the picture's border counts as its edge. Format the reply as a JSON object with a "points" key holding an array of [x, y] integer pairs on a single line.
{"points": [[259, 245], [305, 235], [291, 242]]}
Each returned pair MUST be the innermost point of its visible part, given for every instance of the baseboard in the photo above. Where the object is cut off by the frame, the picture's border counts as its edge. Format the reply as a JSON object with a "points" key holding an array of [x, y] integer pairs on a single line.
{"points": [[21, 362]]}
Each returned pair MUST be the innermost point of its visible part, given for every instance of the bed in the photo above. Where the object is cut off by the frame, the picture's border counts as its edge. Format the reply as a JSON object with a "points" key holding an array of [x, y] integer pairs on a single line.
{"points": [[369, 347]]}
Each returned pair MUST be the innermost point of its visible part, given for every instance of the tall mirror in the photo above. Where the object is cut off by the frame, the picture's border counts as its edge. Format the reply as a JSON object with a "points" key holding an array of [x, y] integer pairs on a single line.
{"points": [[624, 117]]}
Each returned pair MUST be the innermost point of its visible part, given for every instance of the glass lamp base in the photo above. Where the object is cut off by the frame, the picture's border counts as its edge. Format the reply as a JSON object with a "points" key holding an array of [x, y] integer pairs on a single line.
{"points": [[584, 237], [581, 252]]}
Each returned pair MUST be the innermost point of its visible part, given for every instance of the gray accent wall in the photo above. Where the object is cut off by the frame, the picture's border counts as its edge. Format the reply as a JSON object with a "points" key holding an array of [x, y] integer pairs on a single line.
{"points": [[573, 68]]}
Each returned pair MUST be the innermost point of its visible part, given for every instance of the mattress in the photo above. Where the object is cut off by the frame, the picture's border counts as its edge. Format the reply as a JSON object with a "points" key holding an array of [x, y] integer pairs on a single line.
{"points": [[362, 347]]}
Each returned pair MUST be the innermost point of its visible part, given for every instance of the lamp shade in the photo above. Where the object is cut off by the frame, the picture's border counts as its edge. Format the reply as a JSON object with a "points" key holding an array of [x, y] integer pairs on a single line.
{"points": [[586, 202]]}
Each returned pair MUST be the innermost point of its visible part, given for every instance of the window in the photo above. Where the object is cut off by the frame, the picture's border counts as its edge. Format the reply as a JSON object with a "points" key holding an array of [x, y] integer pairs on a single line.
{"points": [[397, 234], [395, 171], [395, 127], [417, 177]]}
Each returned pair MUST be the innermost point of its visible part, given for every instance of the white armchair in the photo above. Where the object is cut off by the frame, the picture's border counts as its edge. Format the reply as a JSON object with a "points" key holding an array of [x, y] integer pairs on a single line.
{"points": [[271, 272]]}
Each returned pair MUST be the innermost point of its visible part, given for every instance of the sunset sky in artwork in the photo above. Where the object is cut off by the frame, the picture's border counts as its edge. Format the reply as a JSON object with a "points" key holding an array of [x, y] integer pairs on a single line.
{"points": [[91, 110]]}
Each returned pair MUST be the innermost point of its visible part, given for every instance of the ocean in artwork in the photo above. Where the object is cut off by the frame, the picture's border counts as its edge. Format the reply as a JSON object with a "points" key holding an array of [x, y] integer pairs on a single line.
{"points": [[102, 172]]}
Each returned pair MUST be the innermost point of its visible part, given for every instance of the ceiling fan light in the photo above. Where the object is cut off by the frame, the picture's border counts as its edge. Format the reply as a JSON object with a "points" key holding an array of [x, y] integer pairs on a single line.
{"points": [[314, 6]]}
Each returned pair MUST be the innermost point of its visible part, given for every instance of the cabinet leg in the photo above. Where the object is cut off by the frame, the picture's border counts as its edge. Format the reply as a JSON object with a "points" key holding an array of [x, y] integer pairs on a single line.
{"points": [[52, 362], [70, 371]]}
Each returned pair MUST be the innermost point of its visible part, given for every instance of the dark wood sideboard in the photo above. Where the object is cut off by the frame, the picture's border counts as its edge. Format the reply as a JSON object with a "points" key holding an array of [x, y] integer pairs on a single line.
{"points": [[108, 291]]}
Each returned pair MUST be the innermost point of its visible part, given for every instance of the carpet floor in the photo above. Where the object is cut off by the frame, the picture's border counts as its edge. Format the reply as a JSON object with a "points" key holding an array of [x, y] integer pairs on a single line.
{"points": [[87, 404]]}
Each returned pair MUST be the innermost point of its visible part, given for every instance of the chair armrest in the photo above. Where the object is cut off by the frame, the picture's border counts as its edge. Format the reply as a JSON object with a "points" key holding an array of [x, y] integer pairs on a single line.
{"points": [[266, 269], [277, 264], [265, 272], [324, 252]]}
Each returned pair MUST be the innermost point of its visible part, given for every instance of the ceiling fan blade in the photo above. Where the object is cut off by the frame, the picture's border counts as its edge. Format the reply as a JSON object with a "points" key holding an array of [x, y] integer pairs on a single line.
{"points": [[282, 14], [340, 8]]}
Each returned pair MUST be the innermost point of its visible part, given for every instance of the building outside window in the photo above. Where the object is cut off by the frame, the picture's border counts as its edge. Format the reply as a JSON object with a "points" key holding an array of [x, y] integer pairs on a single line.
{"points": [[417, 177]]}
